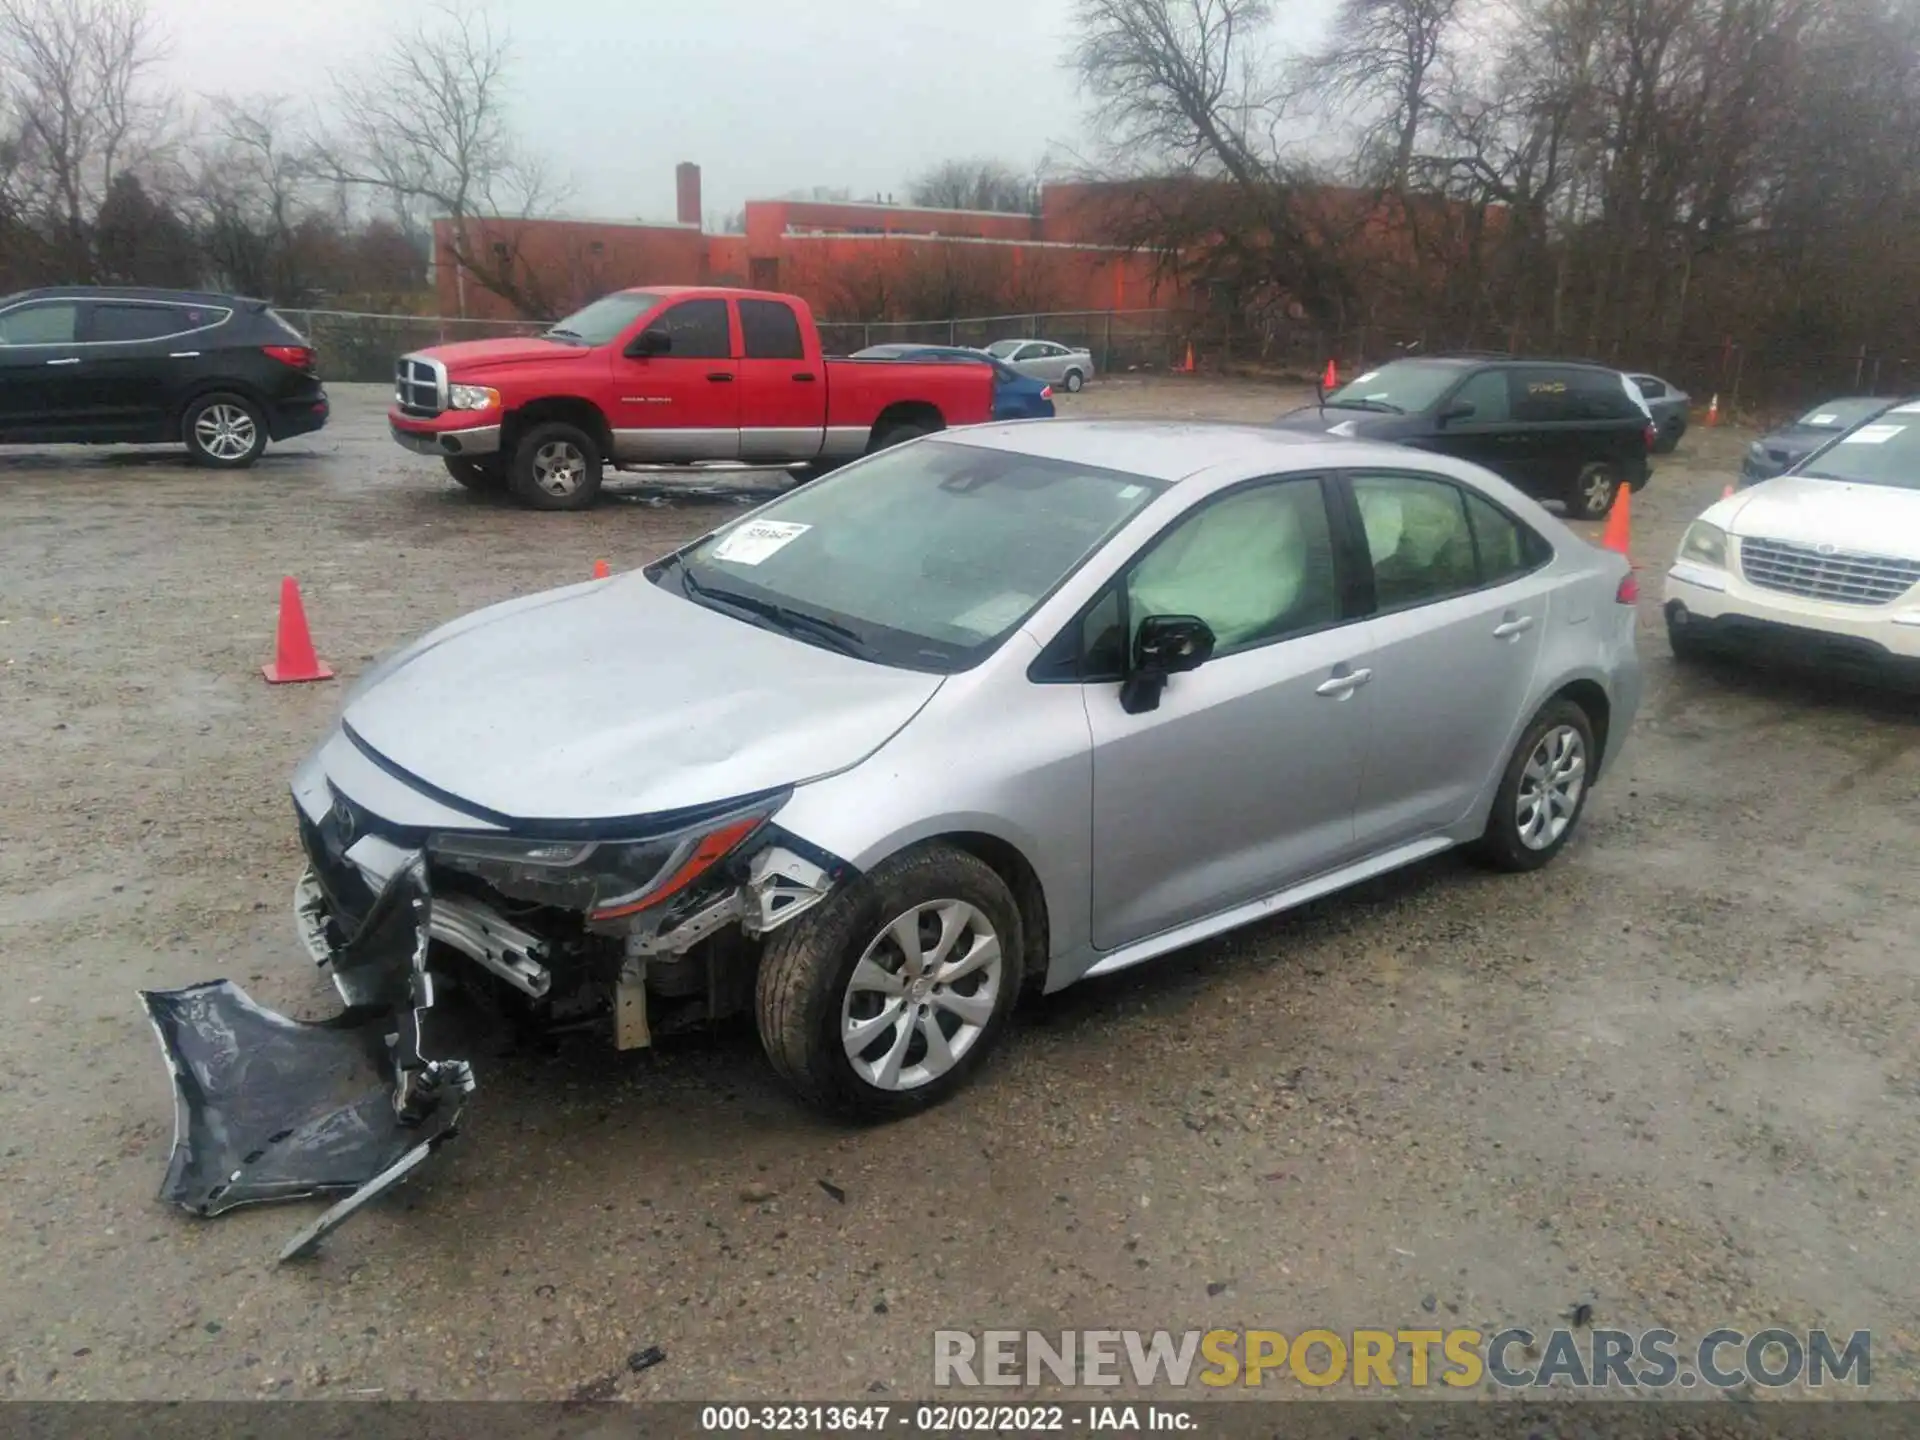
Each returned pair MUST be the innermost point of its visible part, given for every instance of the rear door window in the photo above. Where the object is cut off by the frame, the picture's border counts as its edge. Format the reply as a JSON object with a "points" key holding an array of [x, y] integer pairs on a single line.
{"points": [[52, 323], [1541, 395], [110, 323], [1418, 539], [1506, 549], [771, 331]]}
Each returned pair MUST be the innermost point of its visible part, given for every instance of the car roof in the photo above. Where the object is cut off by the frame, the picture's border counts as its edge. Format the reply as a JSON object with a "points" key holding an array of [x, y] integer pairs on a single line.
{"points": [[1500, 357], [1172, 450], [128, 292]]}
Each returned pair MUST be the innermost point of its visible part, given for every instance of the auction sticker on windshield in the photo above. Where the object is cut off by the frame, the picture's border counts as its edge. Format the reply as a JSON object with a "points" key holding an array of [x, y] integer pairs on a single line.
{"points": [[757, 539], [1873, 435]]}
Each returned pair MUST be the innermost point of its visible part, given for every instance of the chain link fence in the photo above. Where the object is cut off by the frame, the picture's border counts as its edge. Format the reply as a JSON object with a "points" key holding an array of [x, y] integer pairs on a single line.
{"points": [[1758, 382]]}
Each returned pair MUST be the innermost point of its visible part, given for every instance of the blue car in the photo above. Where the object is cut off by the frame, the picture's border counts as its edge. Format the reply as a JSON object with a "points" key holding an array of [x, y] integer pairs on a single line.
{"points": [[1015, 396]]}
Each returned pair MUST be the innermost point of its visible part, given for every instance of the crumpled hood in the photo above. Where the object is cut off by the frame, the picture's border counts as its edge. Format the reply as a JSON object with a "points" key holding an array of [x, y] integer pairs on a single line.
{"points": [[617, 698], [468, 357], [1866, 519]]}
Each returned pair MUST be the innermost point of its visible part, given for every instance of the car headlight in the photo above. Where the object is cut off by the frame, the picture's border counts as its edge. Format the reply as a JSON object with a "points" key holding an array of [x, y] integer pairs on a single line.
{"points": [[473, 397], [604, 879], [1704, 544]]}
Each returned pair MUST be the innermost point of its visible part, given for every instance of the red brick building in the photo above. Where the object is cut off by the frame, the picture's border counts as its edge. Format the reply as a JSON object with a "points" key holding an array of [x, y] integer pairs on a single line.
{"points": [[850, 261]]}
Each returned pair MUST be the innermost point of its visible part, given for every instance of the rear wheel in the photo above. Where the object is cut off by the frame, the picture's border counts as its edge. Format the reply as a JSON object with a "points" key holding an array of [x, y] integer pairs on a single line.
{"points": [[224, 431], [897, 432], [1543, 791], [1074, 382], [483, 477], [556, 466], [884, 999], [1591, 496]]}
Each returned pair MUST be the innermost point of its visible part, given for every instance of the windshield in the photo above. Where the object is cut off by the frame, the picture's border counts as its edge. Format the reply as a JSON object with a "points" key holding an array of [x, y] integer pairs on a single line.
{"points": [[926, 556], [602, 321], [1003, 349], [1404, 387], [1839, 414], [1886, 452]]}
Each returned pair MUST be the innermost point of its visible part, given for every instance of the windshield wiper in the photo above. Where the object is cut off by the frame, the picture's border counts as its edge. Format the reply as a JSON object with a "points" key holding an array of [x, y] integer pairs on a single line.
{"points": [[560, 332], [783, 617], [1385, 407]]}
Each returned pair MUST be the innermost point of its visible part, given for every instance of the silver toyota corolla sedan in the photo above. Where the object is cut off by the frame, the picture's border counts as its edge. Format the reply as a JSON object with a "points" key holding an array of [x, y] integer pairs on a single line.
{"points": [[984, 714]]}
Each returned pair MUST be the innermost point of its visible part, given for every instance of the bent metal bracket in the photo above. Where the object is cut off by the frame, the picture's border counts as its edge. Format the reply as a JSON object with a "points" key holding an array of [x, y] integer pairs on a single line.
{"points": [[267, 1108]]}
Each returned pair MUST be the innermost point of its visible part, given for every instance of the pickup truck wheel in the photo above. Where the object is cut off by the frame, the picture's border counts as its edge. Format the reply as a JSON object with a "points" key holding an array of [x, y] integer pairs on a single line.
{"points": [[883, 1000], [556, 466], [483, 477], [224, 432], [897, 434], [1074, 382]]}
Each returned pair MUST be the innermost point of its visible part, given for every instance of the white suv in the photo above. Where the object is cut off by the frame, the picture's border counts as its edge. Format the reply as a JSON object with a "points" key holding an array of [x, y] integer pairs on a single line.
{"points": [[1821, 564]]}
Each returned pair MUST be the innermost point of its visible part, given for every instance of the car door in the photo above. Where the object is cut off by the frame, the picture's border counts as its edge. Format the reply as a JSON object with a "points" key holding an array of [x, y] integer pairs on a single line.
{"points": [[1030, 360], [1461, 600], [43, 387], [1242, 780], [783, 394], [683, 404], [133, 365], [1487, 435], [1543, 408]]}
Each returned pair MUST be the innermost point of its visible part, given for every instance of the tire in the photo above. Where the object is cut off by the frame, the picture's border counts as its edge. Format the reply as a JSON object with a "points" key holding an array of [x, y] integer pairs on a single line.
{"points": [[224, 431], [897, 433], [1669, 440], [807, 997], [483, 477], [1075, 382], [1590, 496], [1511, 840], [545, 456], [1686, 646]]}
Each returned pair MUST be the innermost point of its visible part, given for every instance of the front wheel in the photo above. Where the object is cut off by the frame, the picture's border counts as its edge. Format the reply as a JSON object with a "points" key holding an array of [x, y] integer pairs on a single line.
{"points": [[224, 432], [1543, 791], [886, 998], [556, 466], [1075, 382], [1592, 494]]}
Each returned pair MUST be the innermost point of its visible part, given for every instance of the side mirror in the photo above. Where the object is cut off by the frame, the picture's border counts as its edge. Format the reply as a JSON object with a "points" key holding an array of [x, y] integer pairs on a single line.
{"points": [[650, 342], [1165, 645], [1459, 410]]}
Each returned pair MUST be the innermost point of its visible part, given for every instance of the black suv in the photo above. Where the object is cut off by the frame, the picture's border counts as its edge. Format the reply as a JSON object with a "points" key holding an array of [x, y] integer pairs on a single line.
{"points": [[92, 366], [1558, 430]]}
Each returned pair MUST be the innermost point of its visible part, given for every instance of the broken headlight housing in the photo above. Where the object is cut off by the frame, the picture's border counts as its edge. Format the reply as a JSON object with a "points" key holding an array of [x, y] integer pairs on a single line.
{"points": [[602, 879]]}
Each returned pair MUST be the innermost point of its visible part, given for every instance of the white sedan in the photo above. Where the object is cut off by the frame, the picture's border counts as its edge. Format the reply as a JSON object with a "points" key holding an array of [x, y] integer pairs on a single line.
{"points": [[1819, 565]]}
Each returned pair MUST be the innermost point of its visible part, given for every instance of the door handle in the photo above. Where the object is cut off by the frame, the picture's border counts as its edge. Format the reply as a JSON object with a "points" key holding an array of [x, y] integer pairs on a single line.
{"points": [[1519, 625], [71, 360], [720, 377], [804, 375], [1339, 687]]}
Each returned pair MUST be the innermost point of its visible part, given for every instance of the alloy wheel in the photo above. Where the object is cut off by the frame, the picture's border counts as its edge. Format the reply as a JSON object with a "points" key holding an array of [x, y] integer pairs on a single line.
{"points": [[226, 432], [559, 468], [1550, 787], [922, 995]]}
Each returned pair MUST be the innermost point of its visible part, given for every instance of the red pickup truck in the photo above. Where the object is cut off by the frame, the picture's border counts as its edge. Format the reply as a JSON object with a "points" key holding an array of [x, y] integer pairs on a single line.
{"points": [[669, 375]]}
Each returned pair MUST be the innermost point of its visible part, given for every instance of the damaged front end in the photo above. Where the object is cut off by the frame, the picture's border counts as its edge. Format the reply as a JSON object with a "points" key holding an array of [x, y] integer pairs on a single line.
{"points": [[267, 1108], [636, 937]]}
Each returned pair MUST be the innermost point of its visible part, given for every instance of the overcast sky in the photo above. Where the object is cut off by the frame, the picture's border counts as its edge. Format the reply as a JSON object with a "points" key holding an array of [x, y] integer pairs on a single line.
{"points": [[767, 96]]}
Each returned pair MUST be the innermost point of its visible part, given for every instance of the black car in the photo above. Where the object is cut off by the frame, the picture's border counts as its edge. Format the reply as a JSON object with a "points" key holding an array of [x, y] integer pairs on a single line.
{"points": [[1558, 430], [90, 366], [1776, 453]]}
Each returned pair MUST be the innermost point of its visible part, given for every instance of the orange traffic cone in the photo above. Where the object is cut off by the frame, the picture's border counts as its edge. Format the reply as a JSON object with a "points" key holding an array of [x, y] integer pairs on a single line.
{"points": [[1713, 412], [1727, 494], [1187, 368], [293, 657], [600, 571], [1619, 522], [1331, 381]]}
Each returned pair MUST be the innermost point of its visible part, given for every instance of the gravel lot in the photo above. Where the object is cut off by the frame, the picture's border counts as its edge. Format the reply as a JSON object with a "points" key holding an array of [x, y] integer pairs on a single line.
{"points": [[1673, 1077]]}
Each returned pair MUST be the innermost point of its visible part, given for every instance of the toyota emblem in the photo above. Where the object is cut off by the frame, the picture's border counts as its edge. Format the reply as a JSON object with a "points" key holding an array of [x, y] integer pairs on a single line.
{"points": [[1827, 549], [343, 817]]}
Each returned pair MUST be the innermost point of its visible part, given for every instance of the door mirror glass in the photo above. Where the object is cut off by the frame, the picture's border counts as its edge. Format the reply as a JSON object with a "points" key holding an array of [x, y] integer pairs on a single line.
{"points": [[651, 342], [1164, 645]]}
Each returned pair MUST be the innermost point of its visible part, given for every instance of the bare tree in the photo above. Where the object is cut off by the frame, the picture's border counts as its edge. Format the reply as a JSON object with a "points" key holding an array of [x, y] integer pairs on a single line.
{"points": [[85, 112], [1384, 60], [427, 129], [976, 185]]}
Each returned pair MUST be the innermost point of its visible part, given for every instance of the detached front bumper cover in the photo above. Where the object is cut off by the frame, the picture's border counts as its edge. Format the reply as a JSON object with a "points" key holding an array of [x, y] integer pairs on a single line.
{"points": [[267, 1108]]}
